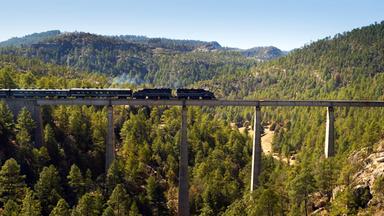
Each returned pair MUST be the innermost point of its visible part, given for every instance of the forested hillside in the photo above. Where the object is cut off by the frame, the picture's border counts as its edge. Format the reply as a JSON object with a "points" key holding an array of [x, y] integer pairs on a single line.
{"points": [[66, 175], [138, 59], [29, 39]]}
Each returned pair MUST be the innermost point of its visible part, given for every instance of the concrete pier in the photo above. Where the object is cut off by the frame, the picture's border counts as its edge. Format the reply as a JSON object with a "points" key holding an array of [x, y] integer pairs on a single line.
{"points": [[110, 141], [183, 167], [256, 150], [330, 134]]}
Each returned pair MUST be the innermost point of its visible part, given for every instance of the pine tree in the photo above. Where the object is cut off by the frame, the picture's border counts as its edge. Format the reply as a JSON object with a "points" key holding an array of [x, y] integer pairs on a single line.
{"points": [[51, 144], [6, 80], [61, 209], [12, 184], [134, 210], [48, 188], [30, 206], [11, 208], [6, 121], [114, 176], [76, 181], [90, 204], [88, 182], [108, 212], [119, 201], [301, 186], [24, 126], [155, 196], [25, 121]]}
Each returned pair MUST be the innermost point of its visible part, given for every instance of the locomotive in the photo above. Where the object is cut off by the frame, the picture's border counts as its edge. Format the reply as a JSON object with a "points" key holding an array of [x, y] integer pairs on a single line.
{"points": [[152, 94]]}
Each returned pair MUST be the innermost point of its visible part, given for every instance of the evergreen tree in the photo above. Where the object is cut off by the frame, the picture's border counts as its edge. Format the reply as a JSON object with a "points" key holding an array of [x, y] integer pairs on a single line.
{"points": [[155, 196], [6, 80], [119, 201], [25, 121], [61, 209], [12, 184], [114, 176], [302, 185], [88, 182], [31, 206], [90, 204], [11, 208], [51, 144], [48, 188], [76, 181], [6, 121], [134, 210], [108, 212], [24, 126]]}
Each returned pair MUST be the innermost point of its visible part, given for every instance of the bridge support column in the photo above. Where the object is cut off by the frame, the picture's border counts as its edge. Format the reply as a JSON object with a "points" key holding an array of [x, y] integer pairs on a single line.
{"points": [[39, 125], [109, 145], [330, 134], [183, 204], [256, 150]]}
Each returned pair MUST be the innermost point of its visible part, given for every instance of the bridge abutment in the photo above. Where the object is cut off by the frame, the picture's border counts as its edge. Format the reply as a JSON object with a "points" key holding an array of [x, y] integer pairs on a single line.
{"points": [[330, 134], [256, 149]]}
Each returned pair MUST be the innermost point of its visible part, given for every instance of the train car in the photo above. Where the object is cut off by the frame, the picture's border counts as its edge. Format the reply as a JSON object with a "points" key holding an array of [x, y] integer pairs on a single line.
{"points": [[38, 93], [102, 93], [154, 94], [4, 93], [194, 94]]}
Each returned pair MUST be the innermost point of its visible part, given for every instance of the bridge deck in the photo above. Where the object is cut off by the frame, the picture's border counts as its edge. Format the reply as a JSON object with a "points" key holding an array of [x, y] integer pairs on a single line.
{"points": [[175, 102]]}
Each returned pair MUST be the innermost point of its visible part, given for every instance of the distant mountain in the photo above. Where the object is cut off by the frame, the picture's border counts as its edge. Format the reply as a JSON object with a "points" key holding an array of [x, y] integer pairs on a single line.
{"points": [[138, 59], [161, 62], [263, 53], [180, 45], [30, 39]]}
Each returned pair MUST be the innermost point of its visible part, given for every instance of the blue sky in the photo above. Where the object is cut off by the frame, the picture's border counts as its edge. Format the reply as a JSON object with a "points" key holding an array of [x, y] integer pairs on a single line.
{"points": [[286, 24]]}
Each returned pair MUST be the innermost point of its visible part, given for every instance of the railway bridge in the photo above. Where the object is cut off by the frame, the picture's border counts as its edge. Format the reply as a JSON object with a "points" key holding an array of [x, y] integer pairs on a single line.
{"points": [[33, 105]]}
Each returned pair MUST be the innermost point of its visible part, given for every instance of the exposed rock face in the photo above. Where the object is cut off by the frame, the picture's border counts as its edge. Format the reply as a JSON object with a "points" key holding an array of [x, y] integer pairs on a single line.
{"points": [[369, 164], [372, 166]]}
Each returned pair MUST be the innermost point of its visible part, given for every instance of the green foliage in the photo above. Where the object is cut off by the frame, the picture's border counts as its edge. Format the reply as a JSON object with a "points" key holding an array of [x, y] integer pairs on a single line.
{"points": [[24, 127], [6, 119], [155, 196], [48, 188], [11, 208], [61, 209], [301, 186], [378, 187], [29, 39], [76, 181], [119, 201], [12, 184], [175, 63], [6, 80], [31, 206], [348, 66], [90, 204], [51, 144]]}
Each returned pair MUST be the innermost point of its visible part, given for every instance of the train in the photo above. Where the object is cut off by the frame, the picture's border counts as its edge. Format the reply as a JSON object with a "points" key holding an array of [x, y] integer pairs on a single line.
{"points": [[146, 93]]}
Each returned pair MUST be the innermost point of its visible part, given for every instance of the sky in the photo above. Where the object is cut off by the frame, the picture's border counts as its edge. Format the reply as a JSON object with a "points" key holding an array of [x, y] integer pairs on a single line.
{"points": [[286, 24]]}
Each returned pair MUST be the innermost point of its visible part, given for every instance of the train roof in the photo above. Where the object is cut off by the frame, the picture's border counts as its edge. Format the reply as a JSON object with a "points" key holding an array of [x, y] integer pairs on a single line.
{"points": [[38, 89], [102, 89]]}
